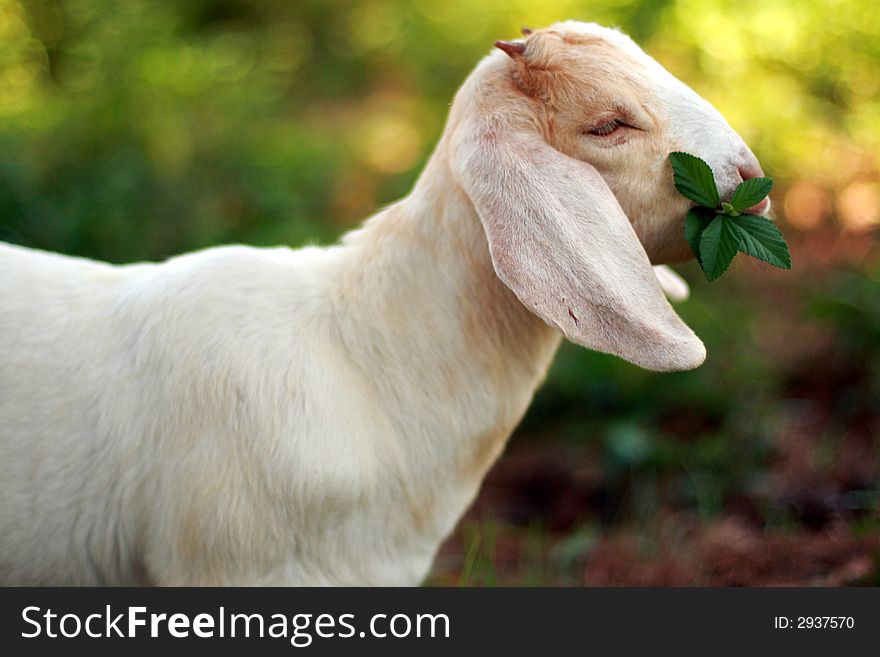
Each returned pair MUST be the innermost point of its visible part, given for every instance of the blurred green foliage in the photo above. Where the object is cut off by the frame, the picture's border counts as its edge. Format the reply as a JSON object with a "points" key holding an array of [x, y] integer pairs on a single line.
{"points": [[138, 129], [141, 128]]}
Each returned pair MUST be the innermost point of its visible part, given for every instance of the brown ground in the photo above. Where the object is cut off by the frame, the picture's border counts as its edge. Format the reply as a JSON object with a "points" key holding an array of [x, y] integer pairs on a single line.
{"points": [[539, 521]]}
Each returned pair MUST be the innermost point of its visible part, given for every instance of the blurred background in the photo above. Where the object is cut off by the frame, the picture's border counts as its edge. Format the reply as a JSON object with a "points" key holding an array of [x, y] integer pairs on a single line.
{"points": [[138, 129]]}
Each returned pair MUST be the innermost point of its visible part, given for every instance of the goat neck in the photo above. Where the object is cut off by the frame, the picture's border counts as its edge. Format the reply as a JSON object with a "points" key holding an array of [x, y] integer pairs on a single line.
{"points": [[451, 354]]}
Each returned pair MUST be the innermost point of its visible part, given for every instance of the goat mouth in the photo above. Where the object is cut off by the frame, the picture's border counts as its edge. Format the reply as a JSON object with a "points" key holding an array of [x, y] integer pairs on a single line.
{"points": [[761, 208]]}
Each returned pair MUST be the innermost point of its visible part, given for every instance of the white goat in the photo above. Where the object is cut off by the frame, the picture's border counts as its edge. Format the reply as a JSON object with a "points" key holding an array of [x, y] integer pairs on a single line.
{"points": [[325, 415]]}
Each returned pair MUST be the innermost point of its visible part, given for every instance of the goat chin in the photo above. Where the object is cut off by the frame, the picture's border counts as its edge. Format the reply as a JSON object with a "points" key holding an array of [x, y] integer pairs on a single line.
{"points": [[322, 416]]}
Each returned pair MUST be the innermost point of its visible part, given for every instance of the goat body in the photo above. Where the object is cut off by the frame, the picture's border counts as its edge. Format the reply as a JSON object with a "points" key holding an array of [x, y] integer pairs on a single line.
{"points": [[258, 416]]}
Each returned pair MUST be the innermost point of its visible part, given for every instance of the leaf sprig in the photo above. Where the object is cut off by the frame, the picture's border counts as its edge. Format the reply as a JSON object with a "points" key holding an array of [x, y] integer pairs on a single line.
{"points": [[714, 230]]}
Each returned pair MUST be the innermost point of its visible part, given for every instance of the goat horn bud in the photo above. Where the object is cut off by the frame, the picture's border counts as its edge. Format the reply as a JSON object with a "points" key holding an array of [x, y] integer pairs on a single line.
{"points": [[514, 49]]}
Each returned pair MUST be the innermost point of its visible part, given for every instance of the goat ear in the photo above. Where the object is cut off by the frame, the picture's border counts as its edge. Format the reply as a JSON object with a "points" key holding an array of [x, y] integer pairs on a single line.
{"points": [[560, 241]]}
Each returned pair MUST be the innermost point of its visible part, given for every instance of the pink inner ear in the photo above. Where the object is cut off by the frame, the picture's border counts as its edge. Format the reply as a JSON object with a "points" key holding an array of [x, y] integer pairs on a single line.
{"points": [[514, 49]]}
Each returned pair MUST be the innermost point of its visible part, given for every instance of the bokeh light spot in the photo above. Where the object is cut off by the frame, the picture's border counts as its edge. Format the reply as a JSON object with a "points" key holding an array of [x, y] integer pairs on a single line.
{"points": [[858, 206], [391, 144], [806, 205]]}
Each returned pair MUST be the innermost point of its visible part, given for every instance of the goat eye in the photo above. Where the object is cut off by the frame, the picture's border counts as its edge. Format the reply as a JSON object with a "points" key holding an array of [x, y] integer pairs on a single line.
{"points": [[606, 129]]}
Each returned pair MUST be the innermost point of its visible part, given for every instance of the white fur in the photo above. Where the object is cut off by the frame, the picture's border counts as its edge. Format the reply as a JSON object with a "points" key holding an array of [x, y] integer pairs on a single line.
{"points": [[316, 416]]}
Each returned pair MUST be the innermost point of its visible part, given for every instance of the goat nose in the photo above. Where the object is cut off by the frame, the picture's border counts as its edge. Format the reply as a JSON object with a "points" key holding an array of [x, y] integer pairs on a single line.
{"points": [[747, 171], [753, 170]]}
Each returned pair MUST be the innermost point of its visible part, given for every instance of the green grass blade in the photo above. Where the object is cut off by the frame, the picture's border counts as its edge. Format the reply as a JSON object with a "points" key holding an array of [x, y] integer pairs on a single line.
{"points": [[467, 568]]}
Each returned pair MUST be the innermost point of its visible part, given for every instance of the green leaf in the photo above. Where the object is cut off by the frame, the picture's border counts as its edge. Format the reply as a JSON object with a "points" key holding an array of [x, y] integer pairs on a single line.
{"points": [[718, 245], [694, 179], [715, 235], [750, 192], [694, 224], [761, 239]]}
